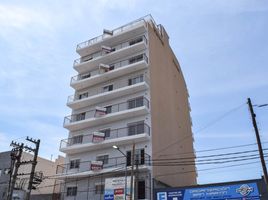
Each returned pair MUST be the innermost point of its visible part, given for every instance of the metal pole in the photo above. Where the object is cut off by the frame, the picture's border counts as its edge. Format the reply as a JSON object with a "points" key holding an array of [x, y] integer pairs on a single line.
{"points": [[126, 180], [132, 171], [253, 116]]}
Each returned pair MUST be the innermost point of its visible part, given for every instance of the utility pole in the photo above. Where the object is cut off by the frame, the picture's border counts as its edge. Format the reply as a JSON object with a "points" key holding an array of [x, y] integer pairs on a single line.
{"points": [[16, 158], [253, 116], [132, 171], [34, 162]]}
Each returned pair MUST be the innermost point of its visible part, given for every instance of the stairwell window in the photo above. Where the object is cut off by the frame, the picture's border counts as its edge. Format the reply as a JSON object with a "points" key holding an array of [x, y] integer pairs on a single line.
{"points": [[71, 191], [135, 80]]}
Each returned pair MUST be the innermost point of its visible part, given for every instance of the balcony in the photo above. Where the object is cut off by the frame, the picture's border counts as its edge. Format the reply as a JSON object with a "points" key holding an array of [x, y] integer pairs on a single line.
{"points": [[124, 32], [132, 108], [101, 95], [133, 133], [117, 69], [110, 165], [109, 54]]}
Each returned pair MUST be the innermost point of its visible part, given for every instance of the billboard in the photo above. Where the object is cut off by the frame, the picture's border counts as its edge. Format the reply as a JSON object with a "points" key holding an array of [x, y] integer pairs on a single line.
{"points": [[245, 191], [116, 189]]}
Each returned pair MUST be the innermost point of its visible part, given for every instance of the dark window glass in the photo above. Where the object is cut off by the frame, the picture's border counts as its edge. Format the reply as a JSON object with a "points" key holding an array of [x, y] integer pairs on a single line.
{"points": [[99, 189], [74, 164], [108, 88], [108, 109], [135, 59], [104, 159], [141, 189], [71, 191], [80, 116], [128, 158], [135, 41], [77, 139], [133, 103], [106, 132], [84, 76], [83, 95]]}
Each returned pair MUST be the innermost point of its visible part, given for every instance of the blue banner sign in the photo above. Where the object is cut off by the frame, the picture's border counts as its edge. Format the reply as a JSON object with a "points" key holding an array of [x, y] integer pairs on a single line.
{"points": [[248, 191]]}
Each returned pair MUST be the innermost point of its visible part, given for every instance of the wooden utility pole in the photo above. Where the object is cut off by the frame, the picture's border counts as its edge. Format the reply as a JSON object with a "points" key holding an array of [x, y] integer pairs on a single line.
{"points": [[132, 171], [253, 116]]}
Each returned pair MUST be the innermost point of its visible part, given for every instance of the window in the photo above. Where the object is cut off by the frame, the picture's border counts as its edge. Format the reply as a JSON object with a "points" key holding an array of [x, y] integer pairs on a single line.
{"points": [[139, 157], [135, 59], [135, 128], [103, 158], [83, 95], [84, 76], [80, 116], [71, 191], [134, 103], [135, 41], [86, 58], [135, 80], [111, 67], [108, 109], [77, 139], [141, 189], [99, 189], [106, 132], [107, 88], [74, 164]]}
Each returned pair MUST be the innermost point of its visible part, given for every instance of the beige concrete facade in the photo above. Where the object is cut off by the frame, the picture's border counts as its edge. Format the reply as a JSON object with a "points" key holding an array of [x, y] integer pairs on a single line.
{"points": [[170, 112], [47, 167]]}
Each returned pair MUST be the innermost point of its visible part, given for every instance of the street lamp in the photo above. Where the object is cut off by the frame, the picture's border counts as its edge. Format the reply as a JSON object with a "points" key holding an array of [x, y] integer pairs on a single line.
{"points": [[117, 148]]}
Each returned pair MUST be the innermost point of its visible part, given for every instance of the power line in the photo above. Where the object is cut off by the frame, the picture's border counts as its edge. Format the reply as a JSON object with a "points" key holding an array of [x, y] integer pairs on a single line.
{"points": [[207, 156], [203, 163], [203, 128], [207, 169], [215, 149], [219, 118]]}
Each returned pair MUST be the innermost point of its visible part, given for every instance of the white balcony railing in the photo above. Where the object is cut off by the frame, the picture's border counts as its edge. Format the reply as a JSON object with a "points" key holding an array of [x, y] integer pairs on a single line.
{"points": [[110, 50], [100, 92], [113, 66], [91, 114], [116, 31]]}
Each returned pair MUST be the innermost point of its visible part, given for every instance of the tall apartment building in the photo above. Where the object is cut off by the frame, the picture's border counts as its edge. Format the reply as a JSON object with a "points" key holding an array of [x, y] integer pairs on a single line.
{"points": [[129, 90]]}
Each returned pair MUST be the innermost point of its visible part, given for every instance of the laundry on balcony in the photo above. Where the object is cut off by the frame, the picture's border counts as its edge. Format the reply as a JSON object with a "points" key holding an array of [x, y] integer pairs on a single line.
{"points": [[100, 111], [96, 165], [107, 49], [108, 32], [104, 68], [98, 137]]}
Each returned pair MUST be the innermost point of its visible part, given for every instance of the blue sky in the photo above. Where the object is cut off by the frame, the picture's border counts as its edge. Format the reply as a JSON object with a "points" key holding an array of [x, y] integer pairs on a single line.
{"points": [[221, 45]]}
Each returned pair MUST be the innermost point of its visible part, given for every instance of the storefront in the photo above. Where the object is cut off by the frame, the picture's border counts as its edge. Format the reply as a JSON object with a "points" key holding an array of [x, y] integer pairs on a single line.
{"points": [[241, 190]]}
